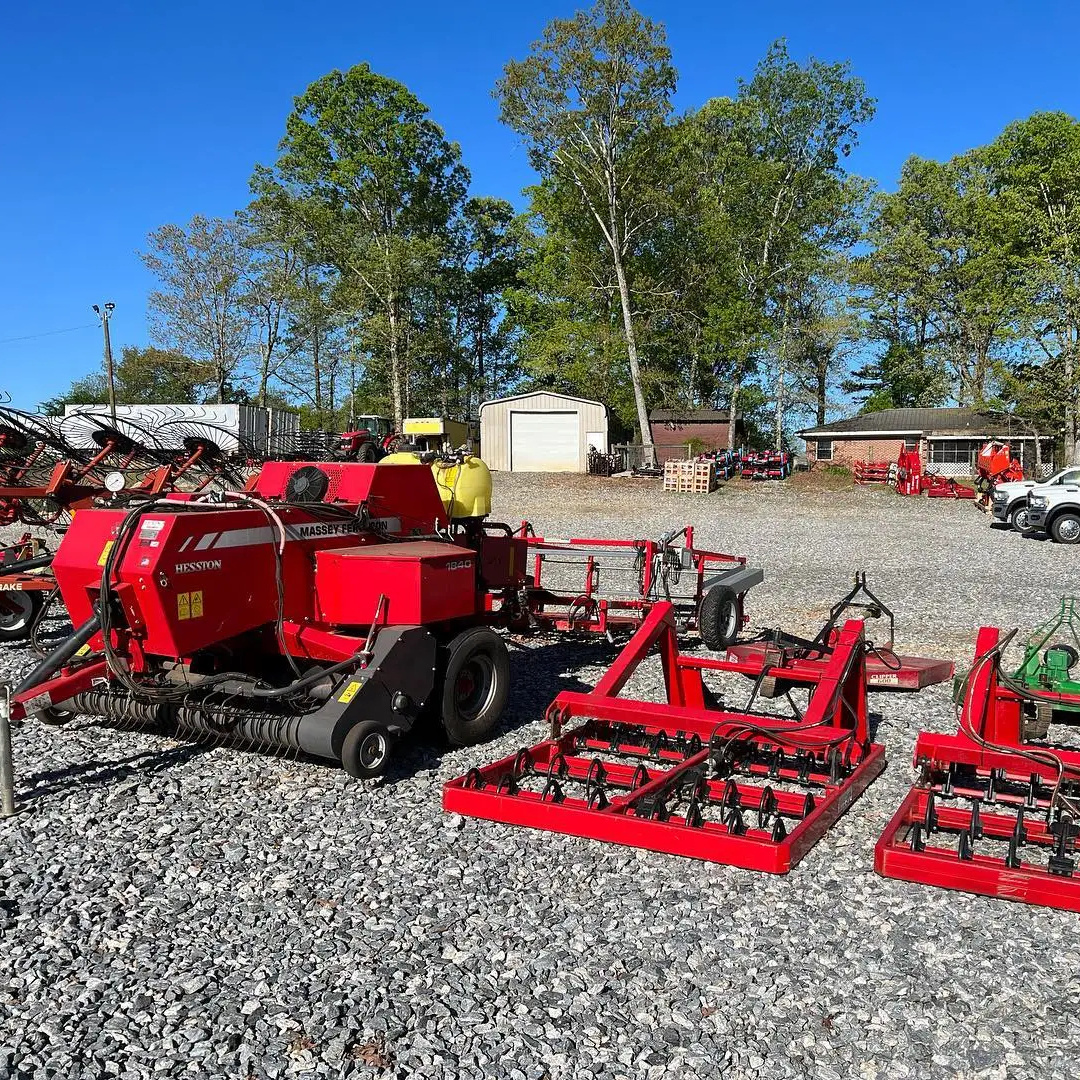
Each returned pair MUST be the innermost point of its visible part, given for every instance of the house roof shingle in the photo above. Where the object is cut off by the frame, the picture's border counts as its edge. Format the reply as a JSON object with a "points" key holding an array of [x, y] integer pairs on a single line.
{"points": [[956, 421]]}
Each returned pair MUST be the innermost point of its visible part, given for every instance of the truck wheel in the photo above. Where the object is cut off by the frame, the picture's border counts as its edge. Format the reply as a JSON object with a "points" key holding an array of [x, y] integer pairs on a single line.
{"points": [[476, 680], [367, 453], [1065, 528], [719, 617], [366, 750], [17, 612], [1018, 517]]}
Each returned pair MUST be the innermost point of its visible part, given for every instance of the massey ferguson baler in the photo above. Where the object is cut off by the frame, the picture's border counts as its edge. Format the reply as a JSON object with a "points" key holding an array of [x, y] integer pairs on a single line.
{"points": [[319, 611]]}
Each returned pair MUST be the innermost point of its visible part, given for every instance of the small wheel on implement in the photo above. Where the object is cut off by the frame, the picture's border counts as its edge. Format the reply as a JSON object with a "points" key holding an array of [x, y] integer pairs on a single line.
{"points": [[1065, 529], [476, 680], [719, 617], [17, 613], [1019, 518], [54, 717], [366, 750]]}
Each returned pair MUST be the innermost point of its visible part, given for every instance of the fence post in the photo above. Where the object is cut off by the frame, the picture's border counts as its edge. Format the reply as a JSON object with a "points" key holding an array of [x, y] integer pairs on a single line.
{"points": [[7, 775]]}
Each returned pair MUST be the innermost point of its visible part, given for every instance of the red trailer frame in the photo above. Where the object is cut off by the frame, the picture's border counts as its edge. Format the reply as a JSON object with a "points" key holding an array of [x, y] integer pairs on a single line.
{"points": [[684, 776], [655, 566]]}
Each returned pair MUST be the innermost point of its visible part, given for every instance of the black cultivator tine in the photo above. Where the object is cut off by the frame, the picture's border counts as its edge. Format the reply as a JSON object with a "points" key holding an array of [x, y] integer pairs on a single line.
{"points": [[917, 841], [766, 807], [965, 849], [975, 828], [779, 830], [930, 817]]}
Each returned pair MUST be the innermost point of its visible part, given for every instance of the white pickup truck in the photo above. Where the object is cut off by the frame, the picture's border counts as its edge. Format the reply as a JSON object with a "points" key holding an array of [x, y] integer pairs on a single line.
{"points": [[1011, 499], [1055, 509]]}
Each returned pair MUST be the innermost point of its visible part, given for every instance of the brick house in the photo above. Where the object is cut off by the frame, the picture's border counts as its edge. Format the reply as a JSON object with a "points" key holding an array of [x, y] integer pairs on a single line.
{"points": [[672, 429], [947, 439]]}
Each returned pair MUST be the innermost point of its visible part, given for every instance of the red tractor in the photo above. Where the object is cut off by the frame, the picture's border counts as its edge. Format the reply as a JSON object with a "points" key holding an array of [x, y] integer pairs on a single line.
{"points": [[369, 439]]}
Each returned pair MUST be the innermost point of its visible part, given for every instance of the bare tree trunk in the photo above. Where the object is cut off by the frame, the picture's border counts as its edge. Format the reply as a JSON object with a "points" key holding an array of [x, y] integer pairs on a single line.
{"points": [[822, 391], [395, 363], [645, 432], [736, 387]]}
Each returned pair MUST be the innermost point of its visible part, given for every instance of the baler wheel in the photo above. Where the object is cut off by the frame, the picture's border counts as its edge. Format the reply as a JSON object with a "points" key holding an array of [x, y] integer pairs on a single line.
{"points": [[366, 750], [17, 612], [476, 680], [719, 618]]}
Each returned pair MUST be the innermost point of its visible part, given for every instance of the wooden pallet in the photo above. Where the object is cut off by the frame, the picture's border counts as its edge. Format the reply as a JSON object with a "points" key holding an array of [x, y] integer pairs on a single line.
{"points": [[695, 477]]}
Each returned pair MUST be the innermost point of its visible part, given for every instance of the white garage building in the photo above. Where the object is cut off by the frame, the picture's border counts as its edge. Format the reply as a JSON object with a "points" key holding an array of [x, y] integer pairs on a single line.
{"points": [[541, 432]]}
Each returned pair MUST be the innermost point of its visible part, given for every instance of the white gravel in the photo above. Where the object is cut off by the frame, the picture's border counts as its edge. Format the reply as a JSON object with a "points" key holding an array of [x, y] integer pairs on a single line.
{"points": [[170, 910]]}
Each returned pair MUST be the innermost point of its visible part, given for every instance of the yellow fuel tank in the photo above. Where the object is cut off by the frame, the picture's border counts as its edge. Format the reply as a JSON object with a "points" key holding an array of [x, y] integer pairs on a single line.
{"points": [[465, 489]]}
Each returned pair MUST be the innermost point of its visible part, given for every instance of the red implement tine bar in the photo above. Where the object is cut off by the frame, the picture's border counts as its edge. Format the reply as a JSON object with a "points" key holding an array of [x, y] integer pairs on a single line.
{"points": [[680, 777]]}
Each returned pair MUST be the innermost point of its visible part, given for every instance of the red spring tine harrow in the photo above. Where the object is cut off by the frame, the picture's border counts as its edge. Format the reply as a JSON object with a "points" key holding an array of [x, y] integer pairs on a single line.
{"points": [[687, 777], [993, 812]]}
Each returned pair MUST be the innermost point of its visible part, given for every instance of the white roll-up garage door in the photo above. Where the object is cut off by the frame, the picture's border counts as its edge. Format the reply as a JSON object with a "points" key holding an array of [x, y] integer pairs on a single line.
{"points": [[544, 442]]}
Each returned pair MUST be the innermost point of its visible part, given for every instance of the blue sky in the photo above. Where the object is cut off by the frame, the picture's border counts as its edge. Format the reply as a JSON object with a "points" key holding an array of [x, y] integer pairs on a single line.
{"points": [[119, 117]]}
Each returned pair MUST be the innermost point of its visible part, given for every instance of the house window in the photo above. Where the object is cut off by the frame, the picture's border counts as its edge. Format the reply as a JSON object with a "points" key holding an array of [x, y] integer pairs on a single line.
{"points": [[955, 451], [824, 450], [911, 443]]}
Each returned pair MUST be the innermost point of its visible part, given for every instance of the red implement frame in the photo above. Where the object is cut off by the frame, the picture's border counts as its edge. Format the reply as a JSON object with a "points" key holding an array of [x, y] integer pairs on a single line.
{"points": [[983, 816], [594, 608], [686, 778]]}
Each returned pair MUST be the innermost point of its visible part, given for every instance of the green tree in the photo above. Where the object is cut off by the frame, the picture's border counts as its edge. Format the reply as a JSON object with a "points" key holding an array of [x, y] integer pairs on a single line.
{"points": [[775, 202], [376, 184], [590, 102], [199, 309], [144, 376]]}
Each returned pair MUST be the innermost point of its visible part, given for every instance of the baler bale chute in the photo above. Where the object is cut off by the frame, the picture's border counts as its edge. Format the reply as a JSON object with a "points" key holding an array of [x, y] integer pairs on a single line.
{"points": [[322, 610]]}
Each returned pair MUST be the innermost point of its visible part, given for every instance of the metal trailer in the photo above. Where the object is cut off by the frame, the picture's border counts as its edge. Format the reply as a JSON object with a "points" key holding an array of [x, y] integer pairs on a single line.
{"points": [[707, 589]]}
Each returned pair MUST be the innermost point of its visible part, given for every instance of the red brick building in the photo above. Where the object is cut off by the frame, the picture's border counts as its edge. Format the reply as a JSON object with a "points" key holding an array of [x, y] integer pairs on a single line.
{"points": [[673, 429], [947, 439]]}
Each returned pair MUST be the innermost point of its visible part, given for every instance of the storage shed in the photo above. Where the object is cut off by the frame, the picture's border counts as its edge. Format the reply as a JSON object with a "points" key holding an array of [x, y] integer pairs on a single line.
{"points": [[542, 432]]}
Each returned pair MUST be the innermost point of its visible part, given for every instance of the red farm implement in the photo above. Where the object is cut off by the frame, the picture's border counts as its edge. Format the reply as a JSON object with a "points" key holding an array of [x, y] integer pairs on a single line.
{"points": [[623, 578], [996, 807], [688, 776], [885, 668], [873, 472]]}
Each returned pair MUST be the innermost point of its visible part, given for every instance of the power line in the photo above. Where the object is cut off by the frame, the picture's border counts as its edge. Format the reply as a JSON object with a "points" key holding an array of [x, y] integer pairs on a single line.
{"points": [[47, 333]]}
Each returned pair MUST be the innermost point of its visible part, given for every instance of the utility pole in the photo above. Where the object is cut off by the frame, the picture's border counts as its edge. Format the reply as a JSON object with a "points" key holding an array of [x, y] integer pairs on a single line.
{"points": [[105, 316]]}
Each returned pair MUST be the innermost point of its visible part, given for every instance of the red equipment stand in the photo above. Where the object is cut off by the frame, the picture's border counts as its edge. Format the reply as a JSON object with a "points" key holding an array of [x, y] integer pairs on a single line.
{"points": [[942, 487], [688, 778], [873, 472], [988, 813]]}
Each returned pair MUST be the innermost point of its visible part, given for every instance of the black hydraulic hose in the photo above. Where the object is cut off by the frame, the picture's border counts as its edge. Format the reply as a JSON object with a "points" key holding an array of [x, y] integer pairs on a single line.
{"points": [[36, 563], [61, 655], [308, 680]]}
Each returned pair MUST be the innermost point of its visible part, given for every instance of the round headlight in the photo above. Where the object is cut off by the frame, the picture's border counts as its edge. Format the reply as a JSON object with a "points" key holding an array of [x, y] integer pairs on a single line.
{"points": [[115, 482]]}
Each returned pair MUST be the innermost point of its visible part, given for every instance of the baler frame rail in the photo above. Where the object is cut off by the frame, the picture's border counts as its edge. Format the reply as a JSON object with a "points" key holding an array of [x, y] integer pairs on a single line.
{"points": [[682, 776]]}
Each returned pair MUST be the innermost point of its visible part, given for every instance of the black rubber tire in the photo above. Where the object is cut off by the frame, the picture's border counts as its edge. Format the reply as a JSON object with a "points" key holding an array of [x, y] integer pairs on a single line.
{"points": [[54, 717], [475, 684], [1018, 517], [366, 750], [719, 617], [367, 453], [16, 625], [1065, 528]]}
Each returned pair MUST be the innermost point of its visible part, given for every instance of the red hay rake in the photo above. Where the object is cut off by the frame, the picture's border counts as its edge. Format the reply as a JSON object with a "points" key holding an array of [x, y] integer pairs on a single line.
{"points": [[686, 776], [996, 808]]}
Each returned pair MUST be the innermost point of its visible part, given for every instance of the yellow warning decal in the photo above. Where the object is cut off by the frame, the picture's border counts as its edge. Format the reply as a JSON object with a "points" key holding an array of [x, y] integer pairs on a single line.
{"points": [[83, 651], [105, 552], [189, 605], [349, 692]]}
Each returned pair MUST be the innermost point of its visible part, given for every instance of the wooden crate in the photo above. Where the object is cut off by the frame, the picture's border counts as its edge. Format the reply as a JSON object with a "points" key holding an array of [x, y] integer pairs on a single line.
{"points": [[698, 477]]}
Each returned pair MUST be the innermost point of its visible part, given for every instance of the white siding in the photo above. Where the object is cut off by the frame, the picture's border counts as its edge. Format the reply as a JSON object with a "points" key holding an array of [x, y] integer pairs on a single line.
{"points": [[496, 422]]}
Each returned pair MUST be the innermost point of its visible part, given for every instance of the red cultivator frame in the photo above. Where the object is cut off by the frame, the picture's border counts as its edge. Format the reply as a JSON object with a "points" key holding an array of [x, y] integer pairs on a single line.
{"points": [[669, 569], [688, 777], [996, 809]]}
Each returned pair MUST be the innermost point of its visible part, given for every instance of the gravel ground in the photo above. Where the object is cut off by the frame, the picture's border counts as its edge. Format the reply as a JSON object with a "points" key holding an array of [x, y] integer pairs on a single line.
{"points": [[173, 910]]}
